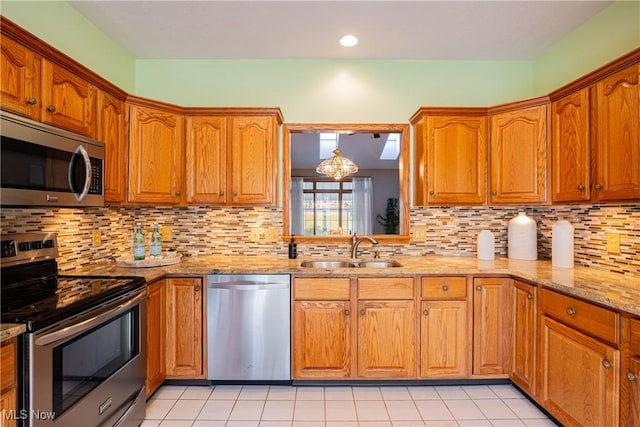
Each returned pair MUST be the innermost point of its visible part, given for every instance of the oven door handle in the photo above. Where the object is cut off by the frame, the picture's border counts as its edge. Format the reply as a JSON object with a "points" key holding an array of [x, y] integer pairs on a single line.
{"points": [[89, 323]]}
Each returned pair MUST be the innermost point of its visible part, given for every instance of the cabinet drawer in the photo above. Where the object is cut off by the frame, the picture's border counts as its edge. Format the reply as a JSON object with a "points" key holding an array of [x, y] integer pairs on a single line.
{"points": [[594, 320], [321, 288], [435, 288], [8, 364], [634, 344], [385, 288]]}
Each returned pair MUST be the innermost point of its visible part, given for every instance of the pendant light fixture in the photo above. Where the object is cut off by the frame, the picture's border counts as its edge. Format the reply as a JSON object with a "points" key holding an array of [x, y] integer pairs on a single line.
{"points": [[337, 167]]}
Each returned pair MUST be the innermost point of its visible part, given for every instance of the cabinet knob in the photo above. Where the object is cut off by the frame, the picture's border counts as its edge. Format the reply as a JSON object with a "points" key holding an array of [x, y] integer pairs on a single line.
{"points": [[197, 288], [31, 101], [606, 364], [431, 193], [478, 288], [221, 193], [529, 296], [598, 186], [631, 376], [362, 312], [494, 193], [580, 187], [51, 108], [177, 193], [426, 312], [445, 288], [235, 193], [571, 311], [347, 313], [149, 297]]}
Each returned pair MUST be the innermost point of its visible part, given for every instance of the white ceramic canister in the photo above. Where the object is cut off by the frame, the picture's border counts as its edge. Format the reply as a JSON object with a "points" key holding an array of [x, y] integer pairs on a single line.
{"points": [[522, 238], [486, 245], [562, 244]]}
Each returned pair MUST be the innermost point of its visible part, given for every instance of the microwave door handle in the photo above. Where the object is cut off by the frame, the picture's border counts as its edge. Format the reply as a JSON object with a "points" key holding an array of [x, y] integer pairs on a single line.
{"points": [[87, 179], [89, 323]]}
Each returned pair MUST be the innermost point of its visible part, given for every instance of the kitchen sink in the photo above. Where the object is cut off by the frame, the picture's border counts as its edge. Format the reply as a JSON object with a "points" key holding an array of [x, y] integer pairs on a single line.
{"points": [[354, 263]]}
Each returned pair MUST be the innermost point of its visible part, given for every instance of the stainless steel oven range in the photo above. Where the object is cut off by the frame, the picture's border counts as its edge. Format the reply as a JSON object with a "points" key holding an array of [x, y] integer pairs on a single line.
{"points": [[82, 361]]}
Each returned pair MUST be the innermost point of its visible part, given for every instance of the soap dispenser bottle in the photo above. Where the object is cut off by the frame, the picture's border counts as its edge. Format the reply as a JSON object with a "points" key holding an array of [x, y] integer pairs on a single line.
{"points": [[293, 248]]}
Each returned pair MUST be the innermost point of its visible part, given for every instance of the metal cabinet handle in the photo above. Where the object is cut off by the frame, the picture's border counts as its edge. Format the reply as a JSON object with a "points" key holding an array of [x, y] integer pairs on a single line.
{"points": [[598, 186], [197, 288], [347, 313], [51, 108], [222, 193], [631, 376], [529, 296], [31, 101], [478, 288], [362, 312], [445, 288], [606, 364], [431, 193], [426, 312], [571, 311], [580, 187], [177, 193], [494, 193], [235, 193]]}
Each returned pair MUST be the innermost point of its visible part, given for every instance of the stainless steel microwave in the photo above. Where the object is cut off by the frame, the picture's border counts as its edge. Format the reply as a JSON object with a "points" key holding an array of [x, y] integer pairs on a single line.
{"points": [[47, 166]]}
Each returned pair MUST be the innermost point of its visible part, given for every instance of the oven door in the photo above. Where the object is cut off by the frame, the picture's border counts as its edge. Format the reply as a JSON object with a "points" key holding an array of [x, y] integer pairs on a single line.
{"points": [[90, 370]]}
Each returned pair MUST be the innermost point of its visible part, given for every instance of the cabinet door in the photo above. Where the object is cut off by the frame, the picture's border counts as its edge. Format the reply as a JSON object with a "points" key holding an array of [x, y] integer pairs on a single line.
{"points": [[580, 376], [456, 160], [8, 382], [253, 146], [633, 376], [321, 339], [156, 331], [69, 101], [386, 339], [519, 156], [184, 328], [617, 136], [524, 337], [570, 148], [155, 156], [111, 130], [491, 326], [444, 343], [206, 160], [20, 79]]}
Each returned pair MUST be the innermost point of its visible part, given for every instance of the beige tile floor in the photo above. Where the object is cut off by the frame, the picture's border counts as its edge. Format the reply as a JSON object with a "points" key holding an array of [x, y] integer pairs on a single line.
{"points": [[365, 406]]}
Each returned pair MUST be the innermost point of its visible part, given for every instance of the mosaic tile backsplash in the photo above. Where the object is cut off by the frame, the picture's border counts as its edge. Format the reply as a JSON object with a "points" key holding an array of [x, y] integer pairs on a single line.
{"points": [[227, 230]]}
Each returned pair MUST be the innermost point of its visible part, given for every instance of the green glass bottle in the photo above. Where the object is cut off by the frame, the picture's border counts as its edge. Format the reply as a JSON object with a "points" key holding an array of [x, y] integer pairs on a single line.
{"points": [[156, 242], [138, 244]]}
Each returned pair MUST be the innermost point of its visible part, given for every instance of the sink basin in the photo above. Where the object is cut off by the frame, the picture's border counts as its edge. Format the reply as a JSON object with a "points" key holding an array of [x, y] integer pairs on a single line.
{"points": [[327, 264], [356, 263], [377, 263]]}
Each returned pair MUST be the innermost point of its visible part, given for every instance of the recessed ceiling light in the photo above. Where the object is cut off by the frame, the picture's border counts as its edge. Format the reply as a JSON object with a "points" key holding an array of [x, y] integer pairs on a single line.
{"points": [[349, 40]]}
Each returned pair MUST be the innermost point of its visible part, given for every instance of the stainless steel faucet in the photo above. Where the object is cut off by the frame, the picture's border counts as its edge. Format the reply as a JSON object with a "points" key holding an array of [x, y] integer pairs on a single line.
{"points": [[355, 242]]}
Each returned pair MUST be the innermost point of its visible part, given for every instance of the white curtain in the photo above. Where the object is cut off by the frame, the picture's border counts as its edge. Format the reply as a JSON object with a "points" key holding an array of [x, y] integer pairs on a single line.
{"points": [[362, 205], [297, 206]]}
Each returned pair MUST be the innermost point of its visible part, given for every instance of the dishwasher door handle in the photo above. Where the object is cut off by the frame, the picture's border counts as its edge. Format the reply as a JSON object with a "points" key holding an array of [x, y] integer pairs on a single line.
{"points": [[247, 286]]}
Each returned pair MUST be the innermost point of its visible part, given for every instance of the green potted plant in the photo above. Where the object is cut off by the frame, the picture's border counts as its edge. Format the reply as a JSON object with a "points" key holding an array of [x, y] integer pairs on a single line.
{"points": [[391, 221]]}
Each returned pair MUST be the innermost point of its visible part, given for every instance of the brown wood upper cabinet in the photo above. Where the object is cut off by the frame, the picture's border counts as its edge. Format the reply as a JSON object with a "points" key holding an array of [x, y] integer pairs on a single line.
{"points": [[616, 136], [518, 152], [20, 79], [155, 156], [451, 155], [231, 159], [111, 130]]}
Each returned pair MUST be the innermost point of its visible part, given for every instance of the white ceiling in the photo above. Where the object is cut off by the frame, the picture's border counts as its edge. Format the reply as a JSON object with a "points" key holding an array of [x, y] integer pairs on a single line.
{"points": [[308, 29]]}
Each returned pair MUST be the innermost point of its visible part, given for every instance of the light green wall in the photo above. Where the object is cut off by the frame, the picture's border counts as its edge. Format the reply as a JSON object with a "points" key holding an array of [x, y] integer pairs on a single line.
{"points": [[612, 33], [60, 25], [335, 91]]}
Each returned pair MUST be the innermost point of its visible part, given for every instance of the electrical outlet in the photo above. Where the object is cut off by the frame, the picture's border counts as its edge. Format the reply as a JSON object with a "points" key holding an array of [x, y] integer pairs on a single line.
{"points": [[166, 233], [271, 234], [96, 238], [254, 235], [419, 234], [613, 243]]}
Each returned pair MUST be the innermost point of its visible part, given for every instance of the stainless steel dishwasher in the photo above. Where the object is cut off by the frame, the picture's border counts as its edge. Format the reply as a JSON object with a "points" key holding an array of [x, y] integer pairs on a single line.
{"points": [[248, 327]]}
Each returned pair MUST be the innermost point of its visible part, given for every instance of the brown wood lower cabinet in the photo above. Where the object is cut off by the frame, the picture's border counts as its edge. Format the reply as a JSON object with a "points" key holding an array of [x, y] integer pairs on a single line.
{"points": [[156, 340], [523, 369], [8, 382], [184, 328]]}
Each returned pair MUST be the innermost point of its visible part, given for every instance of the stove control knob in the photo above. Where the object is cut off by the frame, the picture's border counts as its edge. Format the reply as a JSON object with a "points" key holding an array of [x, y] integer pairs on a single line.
{"points": [[48, 243], [36, 244], [24, 246]]}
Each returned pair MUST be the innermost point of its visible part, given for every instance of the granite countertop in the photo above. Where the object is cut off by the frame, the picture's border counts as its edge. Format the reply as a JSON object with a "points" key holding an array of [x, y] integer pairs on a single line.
{"points": [[614, 290], [10, 330]]}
